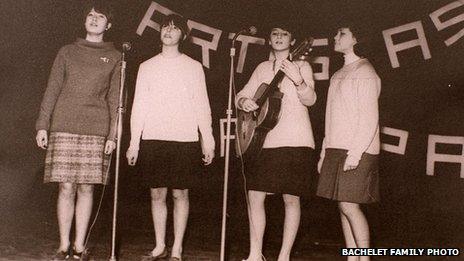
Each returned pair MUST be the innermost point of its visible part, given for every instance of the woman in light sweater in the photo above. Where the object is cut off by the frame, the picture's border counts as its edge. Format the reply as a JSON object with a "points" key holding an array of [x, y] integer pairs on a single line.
{"points": [[76, 125], [170, 106], [349, 156], [284, 164]]}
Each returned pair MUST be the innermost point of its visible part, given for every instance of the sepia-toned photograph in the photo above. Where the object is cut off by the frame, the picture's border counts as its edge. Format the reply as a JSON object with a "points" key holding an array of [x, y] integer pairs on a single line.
{"points": [[240, 130]]}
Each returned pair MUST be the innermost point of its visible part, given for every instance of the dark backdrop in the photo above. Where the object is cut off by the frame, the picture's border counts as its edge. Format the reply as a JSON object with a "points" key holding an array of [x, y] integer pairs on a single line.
{"points": [[421, 96]]}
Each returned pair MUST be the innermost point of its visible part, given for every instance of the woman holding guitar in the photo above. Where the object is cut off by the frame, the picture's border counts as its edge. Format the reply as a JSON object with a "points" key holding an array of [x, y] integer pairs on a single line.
{"points": [[349, 156], [283, 165]]}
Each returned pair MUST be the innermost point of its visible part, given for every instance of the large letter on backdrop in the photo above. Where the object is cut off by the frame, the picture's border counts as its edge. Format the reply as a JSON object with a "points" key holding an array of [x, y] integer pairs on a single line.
{"points": [[147, 22], [205, 45], [393, 49], [435, 16], [433, 157], [222, 133], [401, 134], [323, 60], [245, 39]]}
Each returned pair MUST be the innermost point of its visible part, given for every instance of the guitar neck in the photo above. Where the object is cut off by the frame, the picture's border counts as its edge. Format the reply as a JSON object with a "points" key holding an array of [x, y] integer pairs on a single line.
{"points": [[277, 79], [271, 88]]}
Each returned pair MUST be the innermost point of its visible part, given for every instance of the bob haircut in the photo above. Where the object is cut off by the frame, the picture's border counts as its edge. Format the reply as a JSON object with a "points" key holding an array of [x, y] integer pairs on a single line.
{"points": [[284, 25], [101, 7], [181, 23], [178, 21], [361, 47]]}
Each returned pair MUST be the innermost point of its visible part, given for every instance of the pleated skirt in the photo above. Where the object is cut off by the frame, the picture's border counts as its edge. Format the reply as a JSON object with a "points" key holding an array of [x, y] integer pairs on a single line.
{"points": [[360, 185]]}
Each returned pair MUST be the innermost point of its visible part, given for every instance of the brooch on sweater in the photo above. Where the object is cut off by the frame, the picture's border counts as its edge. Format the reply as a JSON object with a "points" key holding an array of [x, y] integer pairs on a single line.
{"points": [[104, 59]]}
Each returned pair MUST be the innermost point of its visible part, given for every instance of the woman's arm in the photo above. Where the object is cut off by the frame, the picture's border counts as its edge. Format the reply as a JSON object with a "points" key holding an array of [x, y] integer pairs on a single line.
{"points": [[203, 115], [249, 90], [368, 91], [54, 86], [113, 100], [138, 109], [306, 92]]}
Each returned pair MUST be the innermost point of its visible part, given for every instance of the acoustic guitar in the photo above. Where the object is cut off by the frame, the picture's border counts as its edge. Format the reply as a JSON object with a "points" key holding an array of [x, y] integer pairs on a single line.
{"points": [[252, 127]]}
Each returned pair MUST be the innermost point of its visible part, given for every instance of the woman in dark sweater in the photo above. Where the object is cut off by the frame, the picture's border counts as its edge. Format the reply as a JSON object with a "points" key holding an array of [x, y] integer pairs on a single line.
{"points": [[76, 125]]}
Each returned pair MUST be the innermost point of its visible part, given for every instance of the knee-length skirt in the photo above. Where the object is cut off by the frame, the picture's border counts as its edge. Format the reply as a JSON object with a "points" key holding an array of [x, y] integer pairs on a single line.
{"points": [[360, 185], [76, 158], [169, 164], [283, 170]]}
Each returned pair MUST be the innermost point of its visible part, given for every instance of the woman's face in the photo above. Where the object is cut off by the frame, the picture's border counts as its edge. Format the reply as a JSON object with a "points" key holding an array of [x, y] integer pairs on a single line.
{"points": [[344, 40], [170, 34], [96, 23], [280, 39]]}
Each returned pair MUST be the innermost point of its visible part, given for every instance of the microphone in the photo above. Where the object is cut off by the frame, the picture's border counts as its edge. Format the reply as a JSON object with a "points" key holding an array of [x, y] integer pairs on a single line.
{"points": [[252, 30], [126, 46]]}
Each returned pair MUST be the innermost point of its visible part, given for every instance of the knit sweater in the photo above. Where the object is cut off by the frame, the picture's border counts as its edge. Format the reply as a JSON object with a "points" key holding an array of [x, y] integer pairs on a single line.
{"points": [[171, 102], [352, 113], [294, 126], [82, 91]]}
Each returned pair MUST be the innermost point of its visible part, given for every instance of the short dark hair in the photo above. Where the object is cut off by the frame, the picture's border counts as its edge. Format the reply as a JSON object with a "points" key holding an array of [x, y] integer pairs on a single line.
{"points": [[102, 7], [362, 39], [178, 21], [284, 25], [181, 23]]}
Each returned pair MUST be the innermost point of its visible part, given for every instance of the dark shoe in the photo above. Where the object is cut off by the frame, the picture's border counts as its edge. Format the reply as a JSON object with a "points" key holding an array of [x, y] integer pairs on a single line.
{"points": [[175, 259], [61, 255], [81, 256], [150, 257]]}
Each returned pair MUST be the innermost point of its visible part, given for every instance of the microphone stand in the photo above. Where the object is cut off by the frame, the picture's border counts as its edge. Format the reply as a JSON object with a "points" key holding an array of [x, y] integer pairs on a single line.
{"points": [[118, 153], [227, 152]]}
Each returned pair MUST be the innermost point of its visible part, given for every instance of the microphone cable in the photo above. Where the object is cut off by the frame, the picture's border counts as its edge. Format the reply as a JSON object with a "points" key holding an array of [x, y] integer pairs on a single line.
{"points": [[242, 170], [87, 238]]}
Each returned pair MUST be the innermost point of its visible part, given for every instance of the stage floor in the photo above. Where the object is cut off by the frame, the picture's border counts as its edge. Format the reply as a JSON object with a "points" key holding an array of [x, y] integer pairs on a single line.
{"points": [[40, 247], [30, 231]]}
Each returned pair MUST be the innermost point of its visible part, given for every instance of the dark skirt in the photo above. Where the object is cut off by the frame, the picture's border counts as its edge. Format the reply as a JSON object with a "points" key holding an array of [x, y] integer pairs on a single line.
{"points": [[284, 170], [169, 164], [360, 185], [76, 158]]}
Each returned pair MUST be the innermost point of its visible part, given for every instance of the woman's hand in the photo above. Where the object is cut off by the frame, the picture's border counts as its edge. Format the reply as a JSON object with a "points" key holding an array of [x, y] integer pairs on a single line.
{"points": [[292, 71], [350, 163], [109, 146], [208, 157], [248, 105], [42, 139], [132, 156], [319, 165]]}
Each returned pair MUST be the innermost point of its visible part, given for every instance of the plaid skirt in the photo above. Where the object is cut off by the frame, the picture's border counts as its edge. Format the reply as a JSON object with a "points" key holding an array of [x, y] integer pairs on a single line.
{"points": [[76, 158]]}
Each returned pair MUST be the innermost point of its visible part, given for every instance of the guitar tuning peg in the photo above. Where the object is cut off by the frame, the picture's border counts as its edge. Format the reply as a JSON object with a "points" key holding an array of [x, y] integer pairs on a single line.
{"points": [[300, 58], [304, 57]]}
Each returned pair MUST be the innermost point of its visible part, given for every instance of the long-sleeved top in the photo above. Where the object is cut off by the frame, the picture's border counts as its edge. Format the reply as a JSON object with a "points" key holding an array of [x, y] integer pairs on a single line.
{"points": [[82, 91], [352, 113], [171, 102], [294, 126]]}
